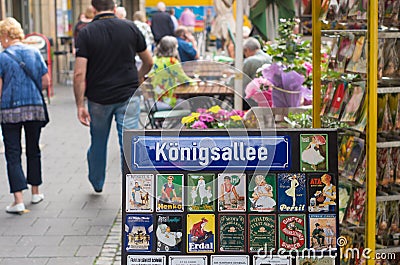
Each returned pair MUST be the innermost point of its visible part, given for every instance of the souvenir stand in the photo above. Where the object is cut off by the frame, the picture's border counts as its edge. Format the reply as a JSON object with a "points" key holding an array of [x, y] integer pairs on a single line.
{"points": [[368, 103], [243, 197]]}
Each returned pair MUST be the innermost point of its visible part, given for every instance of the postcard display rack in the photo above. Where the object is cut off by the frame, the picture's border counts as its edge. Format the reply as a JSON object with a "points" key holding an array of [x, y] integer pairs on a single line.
{"points": [[344, 102], [243, 197]]}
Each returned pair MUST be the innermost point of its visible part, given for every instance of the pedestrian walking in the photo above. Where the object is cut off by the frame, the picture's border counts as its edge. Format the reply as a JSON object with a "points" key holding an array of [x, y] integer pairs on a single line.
{"points": [[22, 106], [139, 19], [161, 23], [105, 73], [188, 19], [173, 18]]}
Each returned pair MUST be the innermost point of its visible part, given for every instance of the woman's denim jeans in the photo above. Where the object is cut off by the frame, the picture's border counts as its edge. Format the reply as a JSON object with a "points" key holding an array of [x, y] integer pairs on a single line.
{"points": [[101, 118], [13, 151]]}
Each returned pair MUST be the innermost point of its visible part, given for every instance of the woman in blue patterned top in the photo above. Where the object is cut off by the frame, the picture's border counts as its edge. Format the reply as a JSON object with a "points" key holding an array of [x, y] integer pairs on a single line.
{"points": [[21, 107]]}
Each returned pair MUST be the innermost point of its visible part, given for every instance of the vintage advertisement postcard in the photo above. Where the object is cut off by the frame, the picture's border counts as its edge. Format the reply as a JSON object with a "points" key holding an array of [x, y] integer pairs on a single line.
{"points": [[232, 192], [321, 193], [262, 193], [146, 260], [230, 260], [322, 231], [200, 192], [170, 192], [187, 260], [200, 231], [139, 193], [292, 192], [138, 233], [232, 237], [313, 152], [292, 231], [169, 234], [262, 229], [272, 260]]}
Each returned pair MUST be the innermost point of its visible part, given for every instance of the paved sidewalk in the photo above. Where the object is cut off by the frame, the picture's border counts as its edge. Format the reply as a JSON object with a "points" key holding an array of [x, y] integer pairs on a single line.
{"points": [[72, 224]]}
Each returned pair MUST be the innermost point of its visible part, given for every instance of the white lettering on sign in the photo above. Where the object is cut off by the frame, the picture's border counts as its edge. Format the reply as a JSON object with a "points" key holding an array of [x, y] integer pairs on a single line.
{"points": [[238, 151]]}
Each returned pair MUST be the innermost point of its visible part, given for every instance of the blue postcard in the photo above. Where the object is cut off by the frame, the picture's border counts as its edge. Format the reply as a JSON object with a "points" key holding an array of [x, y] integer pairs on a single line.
{"points": [[292, 192], [138, 233]]}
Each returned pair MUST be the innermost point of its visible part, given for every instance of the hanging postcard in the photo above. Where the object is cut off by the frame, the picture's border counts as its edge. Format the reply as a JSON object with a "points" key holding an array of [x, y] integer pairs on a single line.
{"points": [[262, 233], [355, 210], [352, 161], [232, 192], [138, 233], [169, 234], [200, 231], [232, 233], [140, 192], [322, 231], [344, 197], [262, 193], [292, 233], [354, 105], [313, 152], [291, 192], [322, 193], [339, 96], [169, 193], [201, 192]]}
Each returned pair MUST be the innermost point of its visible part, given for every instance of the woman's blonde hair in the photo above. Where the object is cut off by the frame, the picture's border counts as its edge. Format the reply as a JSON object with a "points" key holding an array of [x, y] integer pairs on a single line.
{"points": [[89, 13], [12, 28]]}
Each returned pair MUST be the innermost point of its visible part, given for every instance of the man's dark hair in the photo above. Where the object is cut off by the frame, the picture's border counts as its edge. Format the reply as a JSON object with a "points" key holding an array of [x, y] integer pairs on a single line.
{"points": [[103, 5]]}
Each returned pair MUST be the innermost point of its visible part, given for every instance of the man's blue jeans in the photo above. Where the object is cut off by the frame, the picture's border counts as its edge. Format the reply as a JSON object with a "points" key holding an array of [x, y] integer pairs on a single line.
{"points": [[101, 118]]}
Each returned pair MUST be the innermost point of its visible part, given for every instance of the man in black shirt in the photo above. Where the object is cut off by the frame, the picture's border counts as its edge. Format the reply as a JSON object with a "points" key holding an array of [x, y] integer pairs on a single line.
{"points": [[106, 74], [161, 23]]}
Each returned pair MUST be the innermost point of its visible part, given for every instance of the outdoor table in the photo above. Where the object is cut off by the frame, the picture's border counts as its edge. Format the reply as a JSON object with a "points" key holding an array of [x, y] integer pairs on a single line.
{"points": [[211, 93]]}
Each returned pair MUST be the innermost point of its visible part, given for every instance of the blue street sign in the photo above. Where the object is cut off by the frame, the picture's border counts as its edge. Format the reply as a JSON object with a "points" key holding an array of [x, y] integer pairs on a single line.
{"points": [[211, 153]]}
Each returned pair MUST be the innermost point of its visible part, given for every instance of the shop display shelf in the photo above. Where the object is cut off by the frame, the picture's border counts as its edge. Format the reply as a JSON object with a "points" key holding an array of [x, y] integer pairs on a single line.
{"points": [[388, 250], [388, 144], [388, 198], [385, 90]]}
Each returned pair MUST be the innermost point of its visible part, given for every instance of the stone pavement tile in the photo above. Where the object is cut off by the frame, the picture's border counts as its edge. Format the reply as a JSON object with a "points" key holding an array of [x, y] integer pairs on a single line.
{"points": [[40, 240], [54, 251], [88, 251], [71, 261], [99, 230], [88, 213], [44, 212], [102, 221], [13, 251], [9, 240], [83, 240], [17, 229], [22, 261], [69, 230]]}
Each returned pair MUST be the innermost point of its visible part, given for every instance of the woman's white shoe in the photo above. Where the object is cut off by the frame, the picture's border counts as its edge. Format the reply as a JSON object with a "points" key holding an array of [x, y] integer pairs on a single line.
{"points": [[36, 198], [16, 208]]}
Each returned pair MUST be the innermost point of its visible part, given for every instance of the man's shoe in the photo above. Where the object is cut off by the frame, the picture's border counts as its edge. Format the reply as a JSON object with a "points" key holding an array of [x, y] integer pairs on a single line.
{"points": [[98, 190], [36, 198], [17, 208]]}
